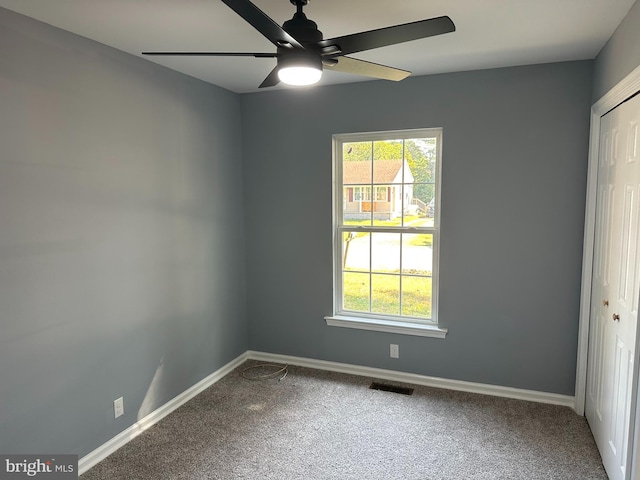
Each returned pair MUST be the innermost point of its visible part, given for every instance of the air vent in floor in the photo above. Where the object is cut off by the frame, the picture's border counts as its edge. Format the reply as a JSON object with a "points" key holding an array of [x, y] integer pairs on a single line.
{"points": [[391, 388]]}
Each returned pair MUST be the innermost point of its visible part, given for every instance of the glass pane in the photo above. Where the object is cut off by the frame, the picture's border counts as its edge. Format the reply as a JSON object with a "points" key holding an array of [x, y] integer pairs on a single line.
{"points": [[417, 254], [385, 252], [357, 172], [416, 296], [419, 205], [356, 291], [388, 171], [420, 156], [357, 152], [356, 205], [356, 251], [385, 294], [420, 153], [388, 150], [386, 205]]}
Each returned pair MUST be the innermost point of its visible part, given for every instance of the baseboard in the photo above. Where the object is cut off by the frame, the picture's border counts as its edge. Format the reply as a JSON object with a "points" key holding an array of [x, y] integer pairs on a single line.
{"points": [[392, 375], [102, 452]]}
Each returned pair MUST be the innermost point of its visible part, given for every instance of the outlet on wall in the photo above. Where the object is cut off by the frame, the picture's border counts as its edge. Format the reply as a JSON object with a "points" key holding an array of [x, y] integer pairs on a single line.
{"points": [[394, 350], [118, 407]]}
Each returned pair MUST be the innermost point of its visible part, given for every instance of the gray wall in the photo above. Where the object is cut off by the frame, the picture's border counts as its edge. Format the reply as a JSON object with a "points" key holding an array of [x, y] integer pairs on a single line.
{"points": [[620, 56], [514, 171], [121, 237]]}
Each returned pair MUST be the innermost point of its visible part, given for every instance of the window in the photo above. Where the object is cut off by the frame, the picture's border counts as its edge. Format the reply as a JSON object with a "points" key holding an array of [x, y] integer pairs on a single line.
{"points": [[361, 193], [358, 194], [381, 194], [386, 231]]}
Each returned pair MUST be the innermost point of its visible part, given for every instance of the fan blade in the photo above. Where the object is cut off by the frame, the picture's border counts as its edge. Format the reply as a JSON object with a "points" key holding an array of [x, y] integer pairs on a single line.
{"points": [[383, 37], [272, 79], [368, 69], [261, 22], [215, 54]]}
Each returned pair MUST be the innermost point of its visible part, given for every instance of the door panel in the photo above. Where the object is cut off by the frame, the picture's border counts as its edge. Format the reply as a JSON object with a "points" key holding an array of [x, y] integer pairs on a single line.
{"points": [[596, 388]]}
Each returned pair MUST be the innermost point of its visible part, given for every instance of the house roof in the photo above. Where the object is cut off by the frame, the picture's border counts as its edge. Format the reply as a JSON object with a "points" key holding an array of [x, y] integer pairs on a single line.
{"points": [[384, 171]]}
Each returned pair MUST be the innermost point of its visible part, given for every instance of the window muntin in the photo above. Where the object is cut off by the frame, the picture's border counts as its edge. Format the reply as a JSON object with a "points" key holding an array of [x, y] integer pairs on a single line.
{"points": [[387, 224]]}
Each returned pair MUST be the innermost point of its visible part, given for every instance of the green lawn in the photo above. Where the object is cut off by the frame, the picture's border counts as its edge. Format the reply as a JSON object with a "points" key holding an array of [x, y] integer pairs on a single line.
{"points": [[385, 294], [423, 240]]}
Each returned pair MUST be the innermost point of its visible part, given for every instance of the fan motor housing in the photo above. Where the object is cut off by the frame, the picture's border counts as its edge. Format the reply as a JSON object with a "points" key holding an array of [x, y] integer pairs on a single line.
{"points": [[302, 29]]}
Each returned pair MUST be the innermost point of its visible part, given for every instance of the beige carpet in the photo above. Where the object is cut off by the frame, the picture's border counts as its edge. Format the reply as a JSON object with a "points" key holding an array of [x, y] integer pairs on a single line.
{"points": [[322, 425]]}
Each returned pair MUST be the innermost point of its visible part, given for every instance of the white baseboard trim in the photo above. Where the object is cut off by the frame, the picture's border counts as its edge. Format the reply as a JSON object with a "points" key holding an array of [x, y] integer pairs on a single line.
{"points": [[103, 451], [485, 389], [106, 449]]}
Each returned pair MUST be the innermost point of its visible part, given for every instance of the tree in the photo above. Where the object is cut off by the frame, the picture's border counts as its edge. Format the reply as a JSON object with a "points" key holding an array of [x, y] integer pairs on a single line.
{"points": [[421, 156]]}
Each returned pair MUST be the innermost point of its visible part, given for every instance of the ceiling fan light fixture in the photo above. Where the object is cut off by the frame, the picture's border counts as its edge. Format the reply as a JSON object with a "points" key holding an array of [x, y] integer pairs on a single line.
{"points": [[299, 76], [299, 70]]}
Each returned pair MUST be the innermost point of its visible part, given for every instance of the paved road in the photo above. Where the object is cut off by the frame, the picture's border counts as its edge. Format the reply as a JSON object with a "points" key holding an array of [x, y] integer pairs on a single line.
{"points": [[385, 249]]}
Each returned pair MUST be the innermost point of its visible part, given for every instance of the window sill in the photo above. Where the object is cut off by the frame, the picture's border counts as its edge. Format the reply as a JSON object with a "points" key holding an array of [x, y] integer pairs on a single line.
{"points": [[389, 326]]}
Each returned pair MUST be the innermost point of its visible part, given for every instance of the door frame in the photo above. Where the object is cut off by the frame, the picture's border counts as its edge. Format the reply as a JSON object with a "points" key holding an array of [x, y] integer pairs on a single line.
{"points": [[626, 88]]}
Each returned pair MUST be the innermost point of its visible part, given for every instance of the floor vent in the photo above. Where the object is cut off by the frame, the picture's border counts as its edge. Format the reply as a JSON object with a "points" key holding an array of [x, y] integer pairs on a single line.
{"points": [[391, 388]]}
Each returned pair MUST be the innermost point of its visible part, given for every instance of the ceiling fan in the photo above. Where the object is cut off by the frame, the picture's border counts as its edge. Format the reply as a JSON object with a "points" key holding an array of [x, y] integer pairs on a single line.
{"points": [[302, 52]]}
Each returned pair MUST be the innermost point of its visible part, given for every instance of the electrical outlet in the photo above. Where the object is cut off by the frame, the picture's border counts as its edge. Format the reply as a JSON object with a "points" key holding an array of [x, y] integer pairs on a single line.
{"points": [[118, 407], [394, 350]]}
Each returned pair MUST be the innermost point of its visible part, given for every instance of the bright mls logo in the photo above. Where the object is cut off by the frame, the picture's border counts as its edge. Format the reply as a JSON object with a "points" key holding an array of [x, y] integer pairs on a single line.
{"points": [[49, 467]]}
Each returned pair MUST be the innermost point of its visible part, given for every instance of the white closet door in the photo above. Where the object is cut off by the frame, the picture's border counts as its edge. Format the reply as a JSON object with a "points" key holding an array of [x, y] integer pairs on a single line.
{"points": [[615, 287]]}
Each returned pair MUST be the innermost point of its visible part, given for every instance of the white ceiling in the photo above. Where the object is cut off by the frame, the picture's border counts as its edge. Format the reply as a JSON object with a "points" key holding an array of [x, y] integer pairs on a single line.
{"points": [[490, 33]]}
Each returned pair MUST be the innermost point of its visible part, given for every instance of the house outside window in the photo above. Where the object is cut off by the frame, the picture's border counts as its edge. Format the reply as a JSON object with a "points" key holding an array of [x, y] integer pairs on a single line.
{"points": [[386, 227]]}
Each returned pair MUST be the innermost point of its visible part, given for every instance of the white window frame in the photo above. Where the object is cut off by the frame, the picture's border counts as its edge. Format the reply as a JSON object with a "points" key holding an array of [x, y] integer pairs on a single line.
{"points": [[374, 321]]}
